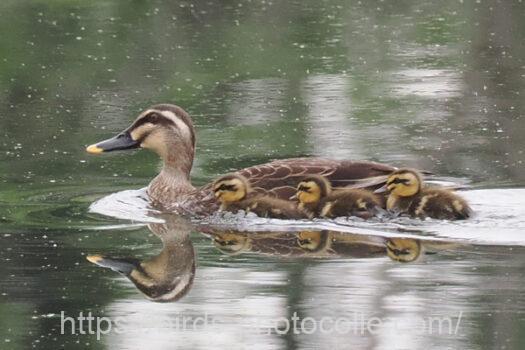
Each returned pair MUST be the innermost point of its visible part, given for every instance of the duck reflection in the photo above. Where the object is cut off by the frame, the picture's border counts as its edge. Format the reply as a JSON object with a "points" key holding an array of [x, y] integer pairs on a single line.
{"points": [[166, 277], [169, 275], [324, 244]]}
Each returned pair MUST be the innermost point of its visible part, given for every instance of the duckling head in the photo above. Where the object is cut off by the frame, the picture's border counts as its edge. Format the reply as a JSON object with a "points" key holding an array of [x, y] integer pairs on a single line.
{"points": [[312, 188], [165, 129], [231, 188], [232, 243], [403, 183], [312, 241], [403, 249]]}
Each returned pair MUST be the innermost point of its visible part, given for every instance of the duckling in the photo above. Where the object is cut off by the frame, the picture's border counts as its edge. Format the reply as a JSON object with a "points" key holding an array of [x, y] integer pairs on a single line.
{"points": [[232, 243], [316, 197], [312, 241], [235, 193], [408, 194], [403, 249]]}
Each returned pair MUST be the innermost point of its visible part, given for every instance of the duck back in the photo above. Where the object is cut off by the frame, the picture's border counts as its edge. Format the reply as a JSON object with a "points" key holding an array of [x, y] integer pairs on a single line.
{"points": [[439, 204], [355, 202], [268, 207]]}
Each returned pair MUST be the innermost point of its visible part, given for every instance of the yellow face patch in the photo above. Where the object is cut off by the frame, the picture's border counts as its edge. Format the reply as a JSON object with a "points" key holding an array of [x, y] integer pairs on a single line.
{"points": [[403, 249], [230, 190], [404, 184], [308, 192], [231, 242], [309, 240]]}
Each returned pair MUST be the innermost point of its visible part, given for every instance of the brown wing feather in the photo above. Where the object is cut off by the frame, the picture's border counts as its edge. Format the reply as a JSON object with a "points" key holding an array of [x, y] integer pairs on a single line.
{"points": [[280, 178]]}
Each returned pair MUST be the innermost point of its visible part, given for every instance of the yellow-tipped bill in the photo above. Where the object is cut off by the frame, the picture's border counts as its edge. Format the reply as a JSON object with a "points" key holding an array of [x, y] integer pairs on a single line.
{"points": [[95, 259], [94, 149], [122, 141]]}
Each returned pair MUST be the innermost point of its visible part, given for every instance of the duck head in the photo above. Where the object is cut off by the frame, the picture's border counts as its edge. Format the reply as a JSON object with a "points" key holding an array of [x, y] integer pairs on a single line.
{"points": [[166, 276], [231, 188], [402, 183], [165, 129], [311, 189]]}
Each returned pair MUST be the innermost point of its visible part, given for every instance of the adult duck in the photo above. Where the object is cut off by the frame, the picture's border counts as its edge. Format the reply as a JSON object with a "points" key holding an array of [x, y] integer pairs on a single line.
{"points": [[168, 130]]}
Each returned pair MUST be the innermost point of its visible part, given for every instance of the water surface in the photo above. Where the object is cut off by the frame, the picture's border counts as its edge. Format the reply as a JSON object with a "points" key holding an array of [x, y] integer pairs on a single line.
{"points": [[437, 85]]}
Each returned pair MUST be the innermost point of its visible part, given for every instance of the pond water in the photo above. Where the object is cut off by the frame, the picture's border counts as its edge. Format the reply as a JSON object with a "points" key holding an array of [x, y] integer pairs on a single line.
{"points": [[436, 85]]}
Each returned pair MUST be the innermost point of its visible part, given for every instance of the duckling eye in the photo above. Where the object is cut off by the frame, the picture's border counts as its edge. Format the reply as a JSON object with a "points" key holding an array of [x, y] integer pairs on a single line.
{"points": [[303, 188], [400, 181], [224, 187]]}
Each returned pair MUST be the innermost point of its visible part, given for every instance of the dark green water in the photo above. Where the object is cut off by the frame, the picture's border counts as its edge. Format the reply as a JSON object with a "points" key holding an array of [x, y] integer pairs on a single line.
{"points": [[438, 85]]}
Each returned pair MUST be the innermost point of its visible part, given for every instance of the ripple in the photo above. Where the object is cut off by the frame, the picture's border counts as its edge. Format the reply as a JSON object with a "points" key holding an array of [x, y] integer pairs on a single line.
{"points": [[498, 219]]}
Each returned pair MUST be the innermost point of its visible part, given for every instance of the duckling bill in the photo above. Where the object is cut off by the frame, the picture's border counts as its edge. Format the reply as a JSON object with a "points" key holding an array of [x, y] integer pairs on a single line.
{"points": [[408, 194], [316, 196], [234, 193]]}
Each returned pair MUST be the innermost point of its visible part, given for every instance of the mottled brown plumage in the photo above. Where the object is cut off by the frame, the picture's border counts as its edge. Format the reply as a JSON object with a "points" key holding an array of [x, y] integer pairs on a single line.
{"points": [[315, 195]]}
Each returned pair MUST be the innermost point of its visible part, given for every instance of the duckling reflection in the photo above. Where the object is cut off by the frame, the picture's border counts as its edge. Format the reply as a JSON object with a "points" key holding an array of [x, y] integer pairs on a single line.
{"points": [[311, 244], [403, 249], [325, 244], [232, 242], [341, 244], [313, 241], [167, 276]]}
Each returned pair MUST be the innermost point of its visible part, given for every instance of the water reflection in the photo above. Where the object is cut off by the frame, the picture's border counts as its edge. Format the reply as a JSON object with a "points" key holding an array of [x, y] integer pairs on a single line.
{"points": [[250, 282], [326, 244], [435, 85], [169, 275]]}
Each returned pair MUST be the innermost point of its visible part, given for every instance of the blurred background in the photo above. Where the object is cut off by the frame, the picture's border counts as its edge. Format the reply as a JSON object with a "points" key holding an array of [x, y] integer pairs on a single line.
{"points": [[438, 85]]}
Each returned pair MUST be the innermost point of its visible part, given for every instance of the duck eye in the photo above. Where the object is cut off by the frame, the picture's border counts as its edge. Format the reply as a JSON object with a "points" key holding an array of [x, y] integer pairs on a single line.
{"points": [[225, 187], [152, 117]]}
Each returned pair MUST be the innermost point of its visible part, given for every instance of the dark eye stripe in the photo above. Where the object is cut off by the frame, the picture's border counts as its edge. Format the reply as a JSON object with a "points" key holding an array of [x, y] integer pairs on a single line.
{"points": [[181, 114], [303, 188], [224, 187], [153, 118], [398, 181]]}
